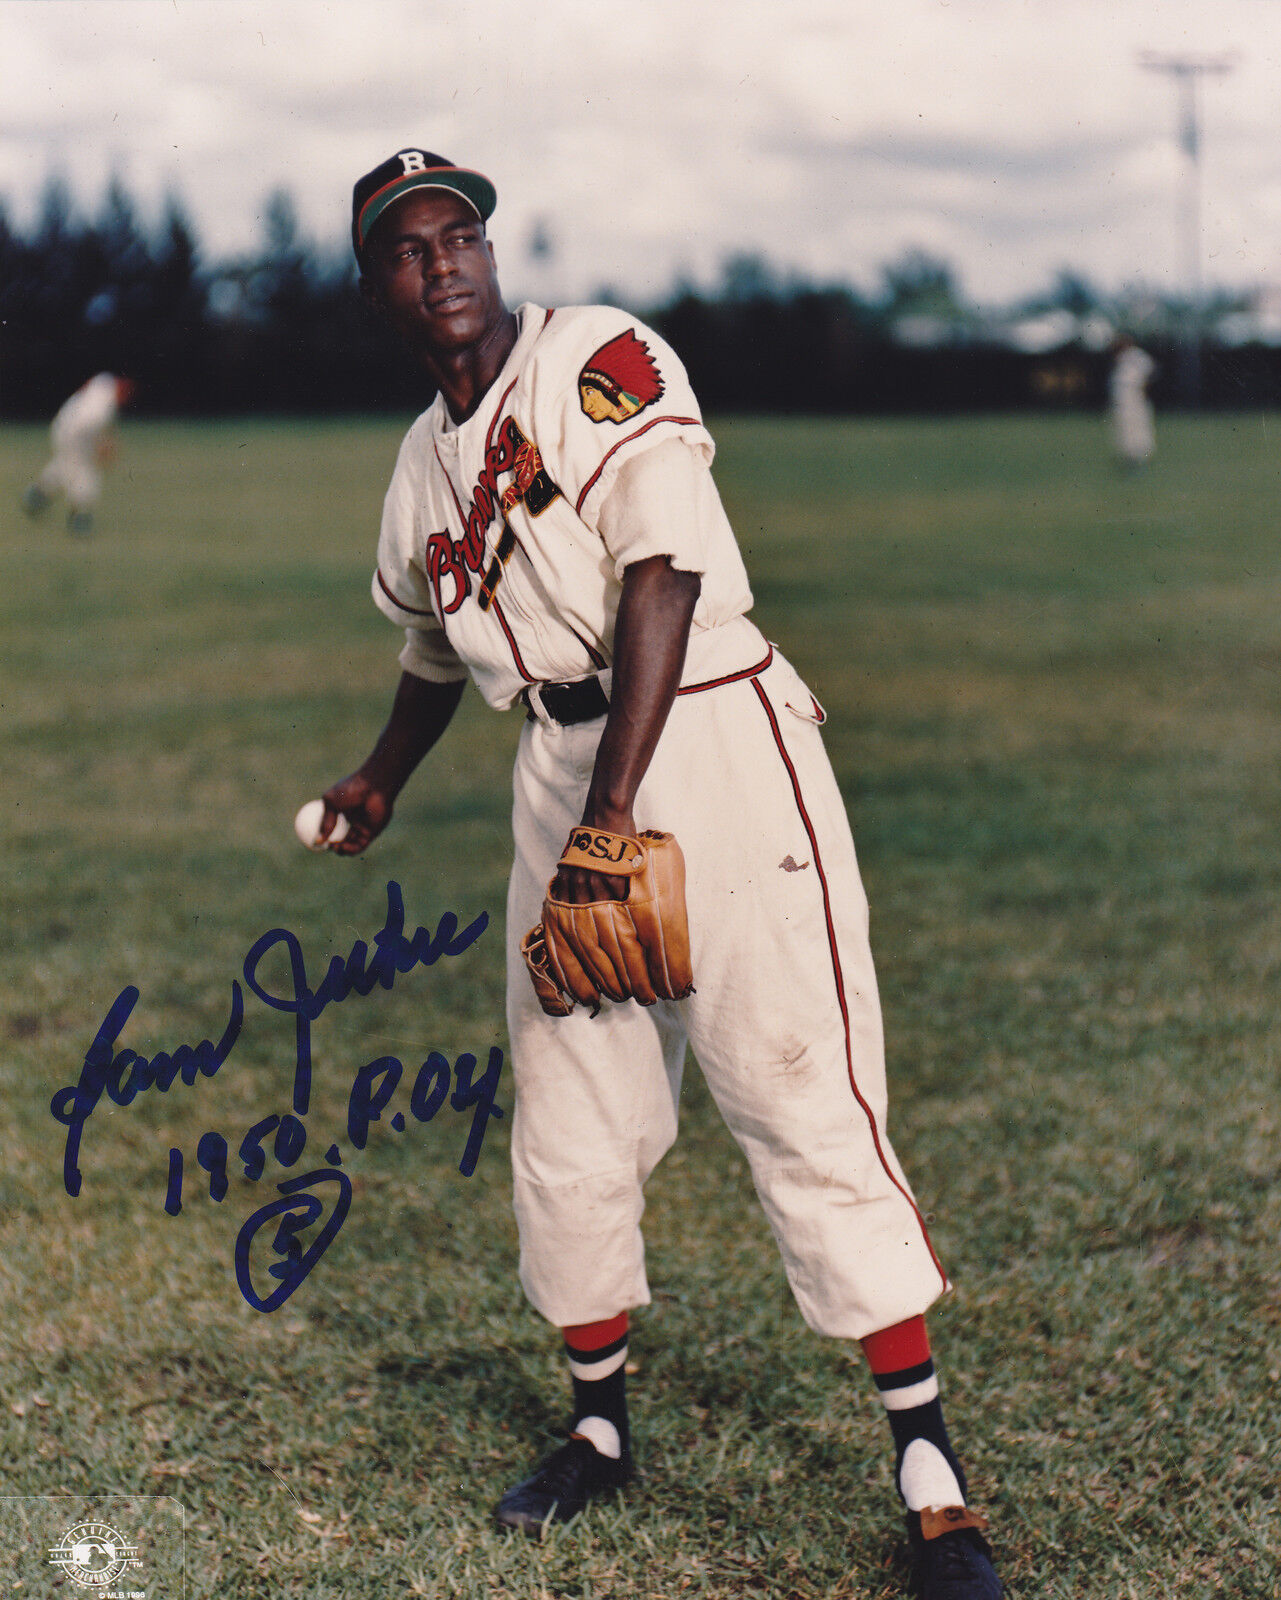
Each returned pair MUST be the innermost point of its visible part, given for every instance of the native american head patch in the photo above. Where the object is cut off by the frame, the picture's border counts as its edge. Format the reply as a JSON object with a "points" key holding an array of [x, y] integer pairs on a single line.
{"points": [[621, 379]]}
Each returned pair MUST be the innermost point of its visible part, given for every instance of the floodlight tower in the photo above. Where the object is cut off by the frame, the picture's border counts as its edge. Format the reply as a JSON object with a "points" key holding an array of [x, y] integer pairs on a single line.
{"points": [[1185, 72]]}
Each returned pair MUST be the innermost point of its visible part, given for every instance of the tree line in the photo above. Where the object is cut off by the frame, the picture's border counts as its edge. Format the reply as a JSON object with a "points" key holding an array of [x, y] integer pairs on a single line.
{"points": [[279, 329], [282, 328]]}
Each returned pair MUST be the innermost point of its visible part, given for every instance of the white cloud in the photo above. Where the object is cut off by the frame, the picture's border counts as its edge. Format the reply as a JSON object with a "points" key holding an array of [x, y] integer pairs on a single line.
{"points": [[655, 135]]}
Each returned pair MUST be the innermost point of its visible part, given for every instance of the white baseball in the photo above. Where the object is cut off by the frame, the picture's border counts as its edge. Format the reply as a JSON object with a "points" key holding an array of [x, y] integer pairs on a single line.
{"points": [[307, 826]]}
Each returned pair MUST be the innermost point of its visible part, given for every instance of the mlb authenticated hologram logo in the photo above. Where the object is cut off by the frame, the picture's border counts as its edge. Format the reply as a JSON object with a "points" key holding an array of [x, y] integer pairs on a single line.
{"points": [[100, 1547], [95, 1555]]}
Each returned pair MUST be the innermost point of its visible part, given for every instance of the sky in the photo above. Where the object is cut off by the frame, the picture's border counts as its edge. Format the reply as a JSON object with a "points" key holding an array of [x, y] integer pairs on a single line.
{"points": [[654, 139]]}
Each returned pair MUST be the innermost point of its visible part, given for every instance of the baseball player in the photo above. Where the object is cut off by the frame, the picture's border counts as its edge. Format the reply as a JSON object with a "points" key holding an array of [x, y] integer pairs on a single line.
{"points": [[1133, 426], [82, 447], [552, 530]]}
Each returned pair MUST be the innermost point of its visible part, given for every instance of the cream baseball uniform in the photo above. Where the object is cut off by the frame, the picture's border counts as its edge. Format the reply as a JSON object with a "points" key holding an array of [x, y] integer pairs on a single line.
{"points": [[503, 546], [74, 434], [1133, 428]]}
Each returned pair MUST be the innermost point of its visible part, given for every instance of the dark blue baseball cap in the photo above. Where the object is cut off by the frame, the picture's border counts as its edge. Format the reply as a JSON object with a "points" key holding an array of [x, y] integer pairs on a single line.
{"points": [[407, 170]]}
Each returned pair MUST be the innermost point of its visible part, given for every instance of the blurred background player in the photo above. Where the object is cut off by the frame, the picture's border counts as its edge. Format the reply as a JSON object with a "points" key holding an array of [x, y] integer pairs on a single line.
{"points": [[1133, 428], [82, 446]]}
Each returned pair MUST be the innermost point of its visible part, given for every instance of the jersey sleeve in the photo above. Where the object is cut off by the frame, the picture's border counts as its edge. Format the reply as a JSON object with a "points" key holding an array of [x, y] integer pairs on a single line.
{"points": [[609, 390], [400, 587], [661, 502]]}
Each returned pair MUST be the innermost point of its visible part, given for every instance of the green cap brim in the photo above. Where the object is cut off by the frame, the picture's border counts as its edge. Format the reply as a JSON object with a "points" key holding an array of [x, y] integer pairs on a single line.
{"points": [[474, 188]]}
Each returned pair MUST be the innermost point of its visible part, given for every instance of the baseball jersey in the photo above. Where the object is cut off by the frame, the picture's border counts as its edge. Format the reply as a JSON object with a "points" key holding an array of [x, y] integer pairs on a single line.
{"points": [[1130, 374], [88, 412], [505, 538]]}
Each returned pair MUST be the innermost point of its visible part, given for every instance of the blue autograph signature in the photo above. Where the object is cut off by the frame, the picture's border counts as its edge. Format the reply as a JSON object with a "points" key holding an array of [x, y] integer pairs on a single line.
{"points": [[123, 1074], [296, 1214]]}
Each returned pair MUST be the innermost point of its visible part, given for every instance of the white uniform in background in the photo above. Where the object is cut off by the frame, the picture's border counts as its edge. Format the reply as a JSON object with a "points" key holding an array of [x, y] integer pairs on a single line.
{"points": [[76, 434], [1133, 428], [503, 547]]}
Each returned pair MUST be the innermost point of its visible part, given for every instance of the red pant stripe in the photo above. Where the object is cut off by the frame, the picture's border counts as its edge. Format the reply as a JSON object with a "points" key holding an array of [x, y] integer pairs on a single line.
{"points": [[838, 975]]}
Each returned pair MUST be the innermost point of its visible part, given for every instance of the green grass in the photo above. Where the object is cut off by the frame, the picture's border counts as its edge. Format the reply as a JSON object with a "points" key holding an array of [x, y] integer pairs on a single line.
{"points": [[1054, 711]]}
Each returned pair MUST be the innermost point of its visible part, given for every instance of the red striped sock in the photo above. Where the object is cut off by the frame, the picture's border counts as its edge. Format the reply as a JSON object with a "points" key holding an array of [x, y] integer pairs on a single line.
{"points": [[597, 1354], [584, 1338], [894, 1349], [903, 1369]]}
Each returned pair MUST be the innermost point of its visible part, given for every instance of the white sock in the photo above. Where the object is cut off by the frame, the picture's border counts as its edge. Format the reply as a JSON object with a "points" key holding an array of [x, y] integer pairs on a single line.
{"points": [[603, 1436], [925, 1479]]}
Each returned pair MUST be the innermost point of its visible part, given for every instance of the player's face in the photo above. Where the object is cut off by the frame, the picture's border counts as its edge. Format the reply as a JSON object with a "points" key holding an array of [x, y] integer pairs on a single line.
{"points": [[430, 269]]}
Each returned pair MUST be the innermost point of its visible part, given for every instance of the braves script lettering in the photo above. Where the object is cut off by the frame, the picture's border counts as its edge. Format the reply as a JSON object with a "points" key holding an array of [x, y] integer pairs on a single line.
{"points": [[459, 558]]}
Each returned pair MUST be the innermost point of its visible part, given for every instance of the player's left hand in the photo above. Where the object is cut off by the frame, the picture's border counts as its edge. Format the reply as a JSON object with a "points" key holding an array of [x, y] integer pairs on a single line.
{"points": [[579, 887], [633, 946]]}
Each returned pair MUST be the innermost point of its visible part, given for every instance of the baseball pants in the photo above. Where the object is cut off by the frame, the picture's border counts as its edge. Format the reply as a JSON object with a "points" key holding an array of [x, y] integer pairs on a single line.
{"points": [[75, 472], [785, 1023]]}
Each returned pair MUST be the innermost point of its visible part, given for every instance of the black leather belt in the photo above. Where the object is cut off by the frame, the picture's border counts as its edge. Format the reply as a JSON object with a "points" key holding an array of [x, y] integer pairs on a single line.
{"points": [[567, 703]]}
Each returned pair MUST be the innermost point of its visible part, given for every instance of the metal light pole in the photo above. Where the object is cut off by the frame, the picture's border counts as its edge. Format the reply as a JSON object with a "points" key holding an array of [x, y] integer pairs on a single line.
{"points": [[1185, 72]]}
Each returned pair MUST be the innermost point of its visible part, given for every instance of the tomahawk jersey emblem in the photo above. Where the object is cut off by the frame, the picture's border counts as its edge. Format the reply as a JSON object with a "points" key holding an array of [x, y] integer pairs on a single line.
{"points": [[621, 379]]}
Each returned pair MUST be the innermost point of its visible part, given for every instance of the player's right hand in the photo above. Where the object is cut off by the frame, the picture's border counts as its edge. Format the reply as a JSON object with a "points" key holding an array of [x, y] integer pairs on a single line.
{"points": [[366, 807]]}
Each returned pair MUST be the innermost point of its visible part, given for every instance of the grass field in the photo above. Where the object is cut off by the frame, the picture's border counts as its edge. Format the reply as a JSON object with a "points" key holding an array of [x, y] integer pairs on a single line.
{"points": [[1054, 708]]}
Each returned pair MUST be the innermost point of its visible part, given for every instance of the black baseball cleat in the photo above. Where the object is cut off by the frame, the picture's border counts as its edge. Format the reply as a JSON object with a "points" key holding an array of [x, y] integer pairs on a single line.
{"points": [[561, 1487], [951, 1560]]}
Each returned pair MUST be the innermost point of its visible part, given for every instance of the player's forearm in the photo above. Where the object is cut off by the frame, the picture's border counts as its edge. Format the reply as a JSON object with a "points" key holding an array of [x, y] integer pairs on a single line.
{"points": [[420, 713], [650, 638]]}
